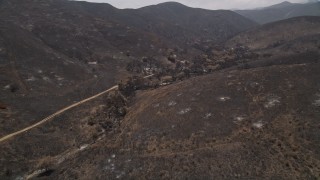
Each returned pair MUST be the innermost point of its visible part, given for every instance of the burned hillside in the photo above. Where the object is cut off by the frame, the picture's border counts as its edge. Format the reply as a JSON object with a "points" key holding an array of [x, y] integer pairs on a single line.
{"points": [[89, 91]]}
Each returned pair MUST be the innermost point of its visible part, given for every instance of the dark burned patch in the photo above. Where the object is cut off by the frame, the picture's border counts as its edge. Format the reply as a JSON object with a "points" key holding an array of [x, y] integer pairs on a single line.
{"points": [[47, 172], [3, 106], [13, 88], [8, 172]]}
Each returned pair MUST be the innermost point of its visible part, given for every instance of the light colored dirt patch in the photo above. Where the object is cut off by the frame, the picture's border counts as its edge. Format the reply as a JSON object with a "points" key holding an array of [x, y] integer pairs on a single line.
{"points": [[272, 101], [317, 101], [208, 115], [172, 103], [238, 119], [184, 111], [224, 98], [31, 78], [258, 124]]}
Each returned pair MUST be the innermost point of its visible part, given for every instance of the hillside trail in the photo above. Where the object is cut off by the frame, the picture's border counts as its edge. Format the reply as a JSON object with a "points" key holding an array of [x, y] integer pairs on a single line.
{"points": [[52, 116], [55, 114]]}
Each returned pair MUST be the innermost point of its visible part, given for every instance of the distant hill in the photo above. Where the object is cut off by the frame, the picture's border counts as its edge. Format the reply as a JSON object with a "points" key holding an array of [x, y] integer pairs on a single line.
{"points": [[176, 21], [281, 5], [278, 33], [281, 11], [213, 25], [293, 40]]}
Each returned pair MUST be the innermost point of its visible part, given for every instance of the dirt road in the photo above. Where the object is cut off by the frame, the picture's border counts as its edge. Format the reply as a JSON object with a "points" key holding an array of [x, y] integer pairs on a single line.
{"points": [[55, 114], [60, 112]]}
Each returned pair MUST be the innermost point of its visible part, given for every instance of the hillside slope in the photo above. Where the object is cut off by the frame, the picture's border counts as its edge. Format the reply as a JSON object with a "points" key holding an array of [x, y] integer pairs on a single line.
{"points": [[281, 11], [254, 115], [255, 123], [291, 36], [175, 21], [45, 66]]}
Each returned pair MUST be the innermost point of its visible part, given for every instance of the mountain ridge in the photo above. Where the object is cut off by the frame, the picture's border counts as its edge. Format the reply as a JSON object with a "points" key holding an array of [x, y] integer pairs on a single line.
{"points": [[281, 11]]}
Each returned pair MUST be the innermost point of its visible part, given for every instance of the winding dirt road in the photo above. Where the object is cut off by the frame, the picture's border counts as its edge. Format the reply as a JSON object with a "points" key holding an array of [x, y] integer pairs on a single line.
{"points": [[60, 112], [55, 114]]}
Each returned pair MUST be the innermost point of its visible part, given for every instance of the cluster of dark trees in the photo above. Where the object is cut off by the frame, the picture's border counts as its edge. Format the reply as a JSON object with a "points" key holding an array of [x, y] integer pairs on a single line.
{"points": [[128, 88], [116, 105], [112, 113]]}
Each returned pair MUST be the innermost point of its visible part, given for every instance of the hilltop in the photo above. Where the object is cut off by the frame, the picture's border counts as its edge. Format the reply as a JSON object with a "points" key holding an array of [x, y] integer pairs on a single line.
{"points": [[281, 11]]}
